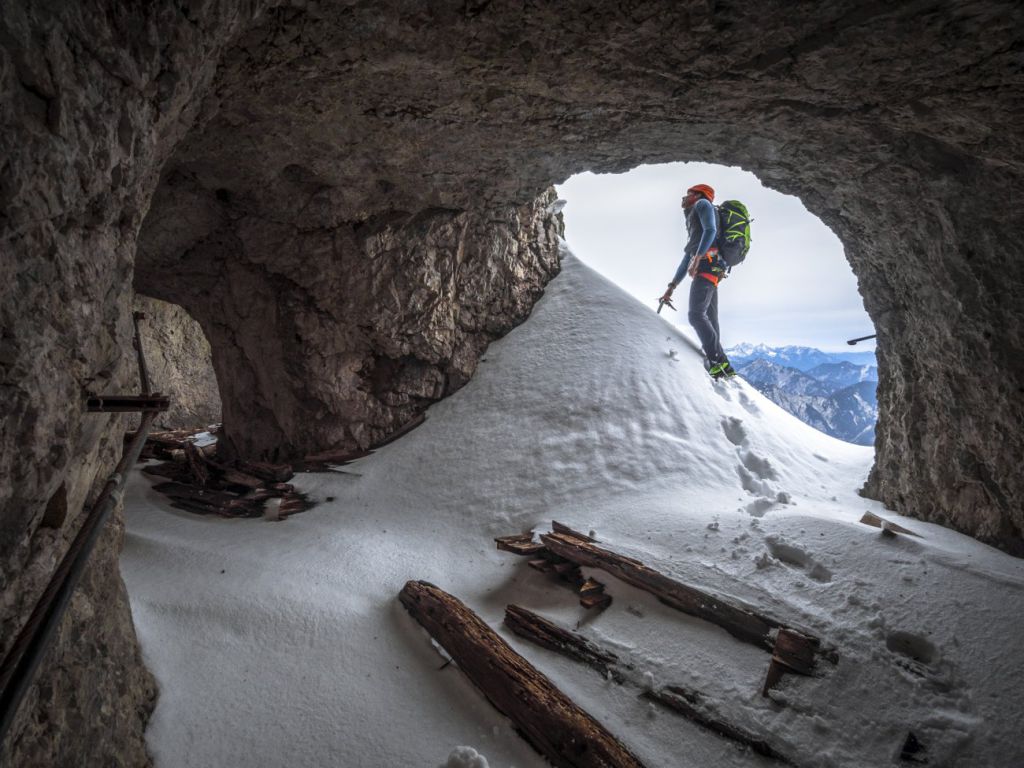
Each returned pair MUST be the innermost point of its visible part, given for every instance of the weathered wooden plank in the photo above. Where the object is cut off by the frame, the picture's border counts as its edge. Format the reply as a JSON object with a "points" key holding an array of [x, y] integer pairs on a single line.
{"points": [[795, 650], [558, 527], [519, 544], [595, 600], [546, 634], [272, 473], [887, 526], [548, 719], [742, 623], [196, 464], [236, 477]]}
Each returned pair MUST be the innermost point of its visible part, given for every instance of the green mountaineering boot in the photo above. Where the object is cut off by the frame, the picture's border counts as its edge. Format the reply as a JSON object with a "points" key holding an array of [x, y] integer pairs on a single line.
{"points": [[717, 371], [728, 371]]}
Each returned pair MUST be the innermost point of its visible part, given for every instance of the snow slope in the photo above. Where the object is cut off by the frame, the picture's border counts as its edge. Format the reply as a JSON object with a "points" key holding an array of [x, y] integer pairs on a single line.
{"points": [[283, 643]]}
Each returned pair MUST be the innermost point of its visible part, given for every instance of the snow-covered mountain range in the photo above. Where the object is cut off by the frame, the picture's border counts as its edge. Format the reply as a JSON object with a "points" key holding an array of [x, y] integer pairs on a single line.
{"points": [[801, 358], [833, 392]]}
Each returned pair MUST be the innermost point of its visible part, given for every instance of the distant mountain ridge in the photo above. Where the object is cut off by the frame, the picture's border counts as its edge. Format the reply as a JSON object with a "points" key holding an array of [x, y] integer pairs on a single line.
{"points": [[834, 392], [801, 358]]}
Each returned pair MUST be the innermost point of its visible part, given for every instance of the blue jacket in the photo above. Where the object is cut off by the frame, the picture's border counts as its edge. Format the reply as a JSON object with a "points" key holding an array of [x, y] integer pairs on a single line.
{"points": [[702, 226]]}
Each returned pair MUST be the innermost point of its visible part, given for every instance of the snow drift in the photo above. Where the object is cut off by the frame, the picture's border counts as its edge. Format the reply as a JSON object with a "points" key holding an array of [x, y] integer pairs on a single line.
{"points": [[284, 644]]}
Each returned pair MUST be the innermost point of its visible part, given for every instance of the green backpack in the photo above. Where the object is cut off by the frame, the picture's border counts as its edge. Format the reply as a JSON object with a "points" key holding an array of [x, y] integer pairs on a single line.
{"points": [[733, 232]]}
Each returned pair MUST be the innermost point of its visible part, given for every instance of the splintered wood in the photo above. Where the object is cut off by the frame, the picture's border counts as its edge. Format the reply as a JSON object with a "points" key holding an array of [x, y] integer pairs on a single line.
{"points": [[521, 544], [887, 526], [544, 633], [590, 591], [792, 650], [548, 719], [201, 484], [687, 703]]}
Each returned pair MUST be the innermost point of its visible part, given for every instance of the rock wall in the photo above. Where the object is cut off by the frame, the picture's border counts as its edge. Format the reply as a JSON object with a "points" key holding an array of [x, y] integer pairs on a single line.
{"points": [[95, 95], [179, 363], [335, 337], [896, 124], [325, 157]]}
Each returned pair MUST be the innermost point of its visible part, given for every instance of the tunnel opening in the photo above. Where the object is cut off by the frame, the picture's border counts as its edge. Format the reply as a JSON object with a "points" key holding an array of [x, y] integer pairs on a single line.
{"points": [[786, 312], [279, 158]]}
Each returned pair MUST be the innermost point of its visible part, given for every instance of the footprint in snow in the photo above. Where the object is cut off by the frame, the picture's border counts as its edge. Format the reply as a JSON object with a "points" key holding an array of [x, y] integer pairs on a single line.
{"points": [[722, 390], [748, 404], [752, 484], [734, 431], [919, 656], [759, 507], [911, 646], [759, 466], [798, 558]]}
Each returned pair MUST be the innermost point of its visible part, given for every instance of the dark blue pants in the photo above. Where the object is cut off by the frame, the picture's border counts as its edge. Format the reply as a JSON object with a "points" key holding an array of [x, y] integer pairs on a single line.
{"points": [[704, 318]]}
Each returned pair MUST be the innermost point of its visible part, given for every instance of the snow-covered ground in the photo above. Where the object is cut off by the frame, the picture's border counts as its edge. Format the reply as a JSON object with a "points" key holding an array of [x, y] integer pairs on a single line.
{"points": [[283, 643]]}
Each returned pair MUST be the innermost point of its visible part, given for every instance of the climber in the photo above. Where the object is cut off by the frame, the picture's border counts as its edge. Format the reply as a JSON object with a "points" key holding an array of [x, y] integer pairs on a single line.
{"points": [[701, 260]]}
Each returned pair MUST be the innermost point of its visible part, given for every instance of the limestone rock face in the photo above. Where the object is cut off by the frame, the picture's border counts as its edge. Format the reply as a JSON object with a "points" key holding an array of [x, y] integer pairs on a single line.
{"points": [[356, 192], [93, 696], [95, 95], [335, 337], [179, 363]]}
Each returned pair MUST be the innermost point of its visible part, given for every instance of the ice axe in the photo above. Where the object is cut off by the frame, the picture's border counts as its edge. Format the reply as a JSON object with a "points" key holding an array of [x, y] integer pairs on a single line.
{"points": [[662, 302]]}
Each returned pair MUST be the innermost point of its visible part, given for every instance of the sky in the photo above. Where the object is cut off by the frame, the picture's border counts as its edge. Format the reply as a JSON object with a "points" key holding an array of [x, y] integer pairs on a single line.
{"points": [[795, 287]]}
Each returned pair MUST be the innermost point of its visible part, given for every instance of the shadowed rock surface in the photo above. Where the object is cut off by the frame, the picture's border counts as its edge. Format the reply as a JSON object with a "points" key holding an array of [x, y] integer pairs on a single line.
{"points": [[178, 359], [334, 337], [349, 192]]}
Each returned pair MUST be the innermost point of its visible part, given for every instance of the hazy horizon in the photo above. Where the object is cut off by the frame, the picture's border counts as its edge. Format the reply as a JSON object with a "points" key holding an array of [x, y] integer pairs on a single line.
{"points": [[795, 288]]}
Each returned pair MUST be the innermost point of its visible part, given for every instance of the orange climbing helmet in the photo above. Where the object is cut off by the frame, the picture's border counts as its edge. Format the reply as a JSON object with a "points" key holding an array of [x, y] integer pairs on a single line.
{"points": [[704, 189]]}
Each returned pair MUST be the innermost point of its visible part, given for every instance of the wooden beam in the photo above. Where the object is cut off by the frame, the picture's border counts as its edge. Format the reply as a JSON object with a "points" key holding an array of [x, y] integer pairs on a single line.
{"points": [[196, 465], [548, 719], [558, 527], [519, 544], [887, 526], [544, 633], [742, 623]]}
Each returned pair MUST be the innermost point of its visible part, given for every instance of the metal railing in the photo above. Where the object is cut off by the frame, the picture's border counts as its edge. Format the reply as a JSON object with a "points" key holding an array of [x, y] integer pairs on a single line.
{"points": [[19, 666]]}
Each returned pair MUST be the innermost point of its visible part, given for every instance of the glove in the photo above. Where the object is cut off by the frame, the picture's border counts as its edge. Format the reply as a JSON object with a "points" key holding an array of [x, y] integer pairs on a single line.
{"points": [[668, 293]]}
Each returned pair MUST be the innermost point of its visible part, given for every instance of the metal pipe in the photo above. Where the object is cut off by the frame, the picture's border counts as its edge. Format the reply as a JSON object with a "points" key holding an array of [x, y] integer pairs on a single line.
{"points": [[127, 403], [851, 342], [19, 667], [143, 370]]}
